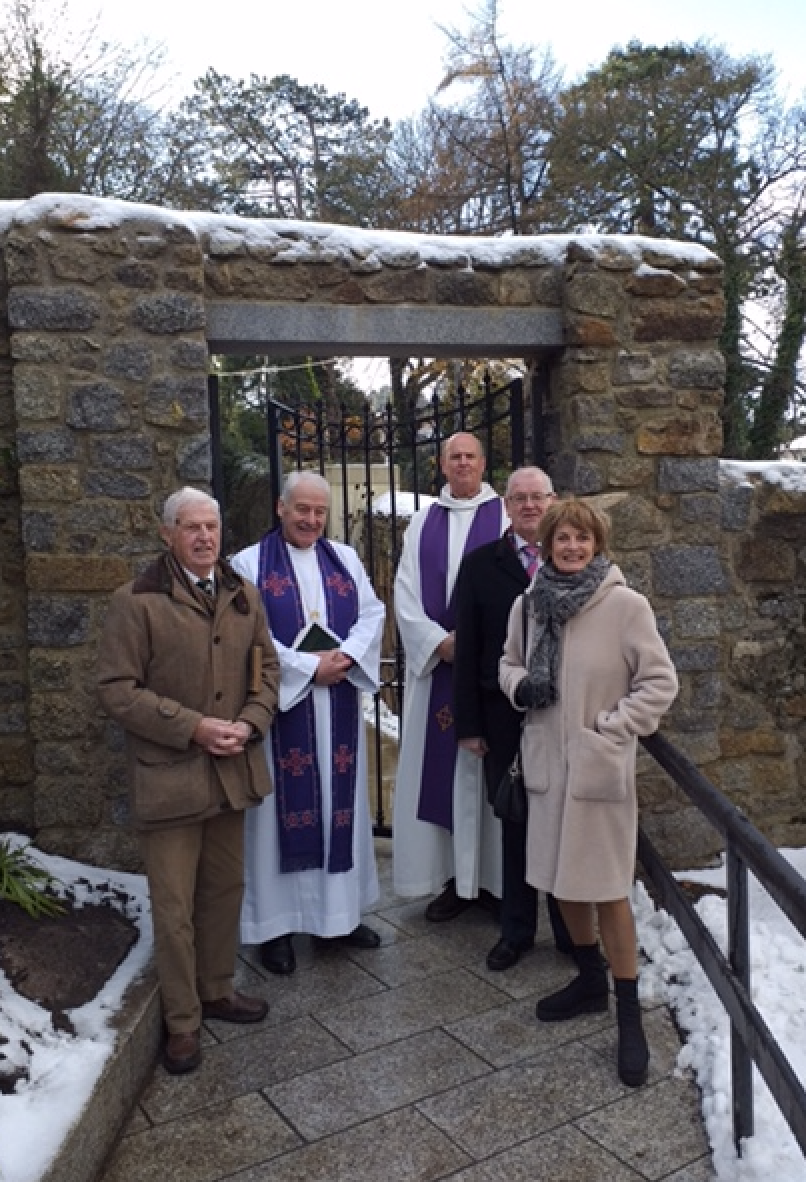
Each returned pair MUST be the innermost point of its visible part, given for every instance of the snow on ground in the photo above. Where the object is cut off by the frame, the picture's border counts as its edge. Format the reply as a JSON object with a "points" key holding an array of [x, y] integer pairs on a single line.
{"points": [[778, 989], [388, 721], [63, 1069], [406, 504]]}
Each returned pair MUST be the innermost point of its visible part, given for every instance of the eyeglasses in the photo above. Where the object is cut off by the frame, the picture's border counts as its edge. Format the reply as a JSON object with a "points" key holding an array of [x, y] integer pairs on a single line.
{"points": [[530, 498]]}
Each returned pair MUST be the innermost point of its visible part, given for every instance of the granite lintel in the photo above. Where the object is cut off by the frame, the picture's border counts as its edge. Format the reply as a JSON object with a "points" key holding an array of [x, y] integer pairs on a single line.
{"points": [[248, 327]]}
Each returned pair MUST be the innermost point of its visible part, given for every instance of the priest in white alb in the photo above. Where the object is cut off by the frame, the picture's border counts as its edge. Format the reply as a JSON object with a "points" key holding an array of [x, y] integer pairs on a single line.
{"points": [[309, 855], [446, 839]]}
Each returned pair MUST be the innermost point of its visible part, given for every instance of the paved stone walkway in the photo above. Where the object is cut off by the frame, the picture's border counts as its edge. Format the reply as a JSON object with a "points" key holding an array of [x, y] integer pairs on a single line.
{"points": [[414, 1063]]}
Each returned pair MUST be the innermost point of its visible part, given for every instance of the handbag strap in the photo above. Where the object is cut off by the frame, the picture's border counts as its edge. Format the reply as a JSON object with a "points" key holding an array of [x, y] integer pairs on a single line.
{"points": [[524, 623]]}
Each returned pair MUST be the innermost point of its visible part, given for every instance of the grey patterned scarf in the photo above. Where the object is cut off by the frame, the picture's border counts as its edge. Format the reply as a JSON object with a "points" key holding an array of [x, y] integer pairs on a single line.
{"points": [[551, 601]]}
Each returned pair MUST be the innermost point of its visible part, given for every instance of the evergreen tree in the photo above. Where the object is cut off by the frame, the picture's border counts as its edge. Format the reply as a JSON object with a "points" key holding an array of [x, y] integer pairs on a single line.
{"points": [[687, 142], [278, 148]]}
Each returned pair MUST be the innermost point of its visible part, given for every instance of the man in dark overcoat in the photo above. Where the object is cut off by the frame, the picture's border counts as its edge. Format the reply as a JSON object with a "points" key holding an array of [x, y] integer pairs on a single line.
{"points": [[187, 667], [490, 580]]}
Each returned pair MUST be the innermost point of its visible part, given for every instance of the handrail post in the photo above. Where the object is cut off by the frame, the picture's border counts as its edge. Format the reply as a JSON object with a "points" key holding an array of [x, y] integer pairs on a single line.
{"points": [[739, 957]]}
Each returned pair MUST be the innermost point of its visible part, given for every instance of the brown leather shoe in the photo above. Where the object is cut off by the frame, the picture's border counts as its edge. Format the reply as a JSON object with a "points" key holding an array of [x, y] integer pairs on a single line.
{"points": [[182, 1052], [235, 1008]]}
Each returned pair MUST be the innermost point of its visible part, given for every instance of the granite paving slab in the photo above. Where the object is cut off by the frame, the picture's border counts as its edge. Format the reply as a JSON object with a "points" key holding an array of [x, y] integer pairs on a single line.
{"points": [[511, 1032], [466, 939], [656, 1129], [204, 1147], [541, 970], [414, 1063], [409, 917], [698, 1171], [564, 1155], [335, 1097], [138, 1122], [413, 960], [400, 1147], [400, 1013], [333, 982], [259, 1058], [509, 1106]]}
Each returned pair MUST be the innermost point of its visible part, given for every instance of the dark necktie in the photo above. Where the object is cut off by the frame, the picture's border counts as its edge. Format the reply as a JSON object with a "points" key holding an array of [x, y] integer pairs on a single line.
{"points": [[207, 586]]}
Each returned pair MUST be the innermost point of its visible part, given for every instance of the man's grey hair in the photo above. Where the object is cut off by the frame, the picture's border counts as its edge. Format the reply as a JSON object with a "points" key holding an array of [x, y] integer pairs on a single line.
{"points": [[186, 496], [294, 478], [529, 470]]}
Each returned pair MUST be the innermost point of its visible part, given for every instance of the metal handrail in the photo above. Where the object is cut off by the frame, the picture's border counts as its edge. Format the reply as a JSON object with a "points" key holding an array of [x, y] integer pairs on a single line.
{"points": [[751, 1039]]}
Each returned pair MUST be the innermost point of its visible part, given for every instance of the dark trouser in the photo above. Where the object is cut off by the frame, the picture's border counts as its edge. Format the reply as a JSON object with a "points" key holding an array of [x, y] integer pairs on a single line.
{"points": [[518, 899]]}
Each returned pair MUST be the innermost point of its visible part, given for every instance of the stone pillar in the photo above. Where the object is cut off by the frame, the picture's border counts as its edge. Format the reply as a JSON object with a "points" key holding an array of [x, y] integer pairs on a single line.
{"points": [[111, 414], [634, 420], [16, 747]]}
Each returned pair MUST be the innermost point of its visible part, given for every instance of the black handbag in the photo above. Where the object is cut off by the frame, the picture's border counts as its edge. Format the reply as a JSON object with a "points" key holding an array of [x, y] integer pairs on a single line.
{"points": [[509, 802]]}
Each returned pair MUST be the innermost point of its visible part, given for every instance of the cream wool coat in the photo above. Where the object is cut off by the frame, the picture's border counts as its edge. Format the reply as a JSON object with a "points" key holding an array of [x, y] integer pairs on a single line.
{"points": [[616, 680]]}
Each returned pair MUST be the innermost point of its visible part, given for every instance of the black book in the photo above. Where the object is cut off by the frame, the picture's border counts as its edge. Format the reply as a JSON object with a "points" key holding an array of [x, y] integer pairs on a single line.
{"points": [[316, 640]]}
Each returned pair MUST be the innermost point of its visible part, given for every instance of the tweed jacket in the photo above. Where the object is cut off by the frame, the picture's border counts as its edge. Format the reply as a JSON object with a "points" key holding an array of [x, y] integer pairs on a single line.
{"points": [[616, 680], [490, 579], [167, 659]]}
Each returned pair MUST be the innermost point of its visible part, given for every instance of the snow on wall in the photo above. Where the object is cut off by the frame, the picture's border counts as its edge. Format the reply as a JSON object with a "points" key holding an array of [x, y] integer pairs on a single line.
{"points": [[297, 241]]}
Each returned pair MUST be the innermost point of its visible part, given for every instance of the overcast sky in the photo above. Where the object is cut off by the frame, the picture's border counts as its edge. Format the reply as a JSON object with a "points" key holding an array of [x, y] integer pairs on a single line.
{"points": [[389, 56]]}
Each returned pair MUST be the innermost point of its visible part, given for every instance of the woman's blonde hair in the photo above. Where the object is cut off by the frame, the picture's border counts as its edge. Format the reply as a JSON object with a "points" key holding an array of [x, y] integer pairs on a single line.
{"points": [[579, 514]]}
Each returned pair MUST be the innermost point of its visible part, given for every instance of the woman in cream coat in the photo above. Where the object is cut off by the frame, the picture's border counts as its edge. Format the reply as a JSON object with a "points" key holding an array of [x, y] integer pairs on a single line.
{"points": [[596, 677]]}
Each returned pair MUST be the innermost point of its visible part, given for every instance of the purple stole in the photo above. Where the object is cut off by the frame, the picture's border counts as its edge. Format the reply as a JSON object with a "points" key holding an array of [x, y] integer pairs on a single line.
{"points": [[439, 754], [298, 787]]}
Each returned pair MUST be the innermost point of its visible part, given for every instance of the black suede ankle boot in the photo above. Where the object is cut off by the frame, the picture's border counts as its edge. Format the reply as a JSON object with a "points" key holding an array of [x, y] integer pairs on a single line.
{"points": [[633, 1052], [587, 993]]}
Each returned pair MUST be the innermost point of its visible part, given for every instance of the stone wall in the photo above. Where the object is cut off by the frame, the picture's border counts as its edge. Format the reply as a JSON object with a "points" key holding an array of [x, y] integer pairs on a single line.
{"points": [[109, 415], [762, 739], [110, 309]]}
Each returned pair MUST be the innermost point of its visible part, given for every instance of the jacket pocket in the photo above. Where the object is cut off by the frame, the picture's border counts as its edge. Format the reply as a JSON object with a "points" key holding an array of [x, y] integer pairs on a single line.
{"points": [[258, 781], [597, 767], [169, 786], [534, 758]]}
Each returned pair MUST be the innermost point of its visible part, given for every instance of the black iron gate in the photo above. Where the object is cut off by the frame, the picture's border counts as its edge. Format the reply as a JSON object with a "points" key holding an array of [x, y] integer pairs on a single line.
{"points": [[381, 464]]}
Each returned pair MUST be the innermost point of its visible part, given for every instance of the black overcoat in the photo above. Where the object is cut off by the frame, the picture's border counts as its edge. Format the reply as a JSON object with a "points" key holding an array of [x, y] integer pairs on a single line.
{"points": [[490, 580]]}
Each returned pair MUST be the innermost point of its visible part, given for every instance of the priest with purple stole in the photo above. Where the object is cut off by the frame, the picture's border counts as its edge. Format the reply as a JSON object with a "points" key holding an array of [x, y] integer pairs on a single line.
{"points": [[447, 842], [310, 861]]}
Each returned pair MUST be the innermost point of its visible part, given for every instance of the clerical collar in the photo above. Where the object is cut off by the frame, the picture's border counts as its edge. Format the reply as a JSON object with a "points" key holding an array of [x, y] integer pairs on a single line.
{"points": [[448, 500]]}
